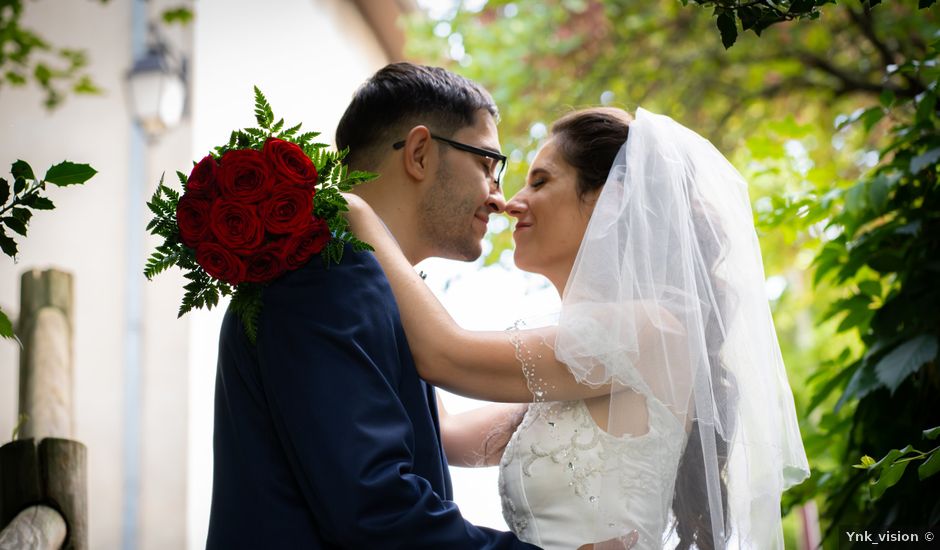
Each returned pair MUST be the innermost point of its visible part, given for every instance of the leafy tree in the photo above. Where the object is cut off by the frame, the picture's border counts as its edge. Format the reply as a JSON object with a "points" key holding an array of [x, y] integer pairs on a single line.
{"points": [[830, 111]]}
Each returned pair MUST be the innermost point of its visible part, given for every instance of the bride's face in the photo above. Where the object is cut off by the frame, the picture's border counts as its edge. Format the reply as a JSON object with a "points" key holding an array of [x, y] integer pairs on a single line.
{"points": [[551, 218]]}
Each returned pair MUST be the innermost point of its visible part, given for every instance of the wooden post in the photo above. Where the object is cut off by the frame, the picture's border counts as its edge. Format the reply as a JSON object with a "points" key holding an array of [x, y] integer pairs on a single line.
{"points": [[20, 482], [52, 474], [63, 466], [45, 327], [45, 472]]}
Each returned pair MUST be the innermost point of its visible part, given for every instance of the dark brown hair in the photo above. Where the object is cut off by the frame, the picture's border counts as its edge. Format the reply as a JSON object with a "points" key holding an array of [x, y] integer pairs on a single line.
{"points": [[403, 95], [589, 140]]}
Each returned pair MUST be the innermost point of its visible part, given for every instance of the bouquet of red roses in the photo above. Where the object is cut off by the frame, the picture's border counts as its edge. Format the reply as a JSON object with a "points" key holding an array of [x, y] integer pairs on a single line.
{"points": [[260, 206]]}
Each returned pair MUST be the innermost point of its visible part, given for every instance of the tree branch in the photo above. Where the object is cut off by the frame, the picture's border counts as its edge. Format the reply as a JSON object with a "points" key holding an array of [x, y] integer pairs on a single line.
{"points": [[850, 83], [864, 22]]}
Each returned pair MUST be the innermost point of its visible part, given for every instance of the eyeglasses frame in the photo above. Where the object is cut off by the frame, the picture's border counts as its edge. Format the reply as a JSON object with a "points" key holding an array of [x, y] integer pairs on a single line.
{"points": [[501, 158]]}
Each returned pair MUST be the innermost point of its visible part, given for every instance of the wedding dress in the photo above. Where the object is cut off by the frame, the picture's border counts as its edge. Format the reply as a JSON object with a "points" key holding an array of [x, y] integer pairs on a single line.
{"points": [[552, 470]]}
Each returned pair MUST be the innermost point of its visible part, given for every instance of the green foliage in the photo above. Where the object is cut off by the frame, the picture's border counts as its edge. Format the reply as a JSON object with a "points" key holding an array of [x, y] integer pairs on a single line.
{"points": [[757, 15], [6, 326], [877, 259], [832, 120], [246, 303], [27, 194], [204, 291], [20, 422], [886, 473], [26, 56], [181, 15]]}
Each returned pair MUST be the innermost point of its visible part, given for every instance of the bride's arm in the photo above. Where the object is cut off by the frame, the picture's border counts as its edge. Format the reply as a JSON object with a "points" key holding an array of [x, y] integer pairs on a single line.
{"points": [[477, 437], [478, 364]]}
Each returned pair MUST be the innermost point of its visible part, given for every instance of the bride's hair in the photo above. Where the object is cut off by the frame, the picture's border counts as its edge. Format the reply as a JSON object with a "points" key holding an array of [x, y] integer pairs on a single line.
{"points": [[589, 140]]}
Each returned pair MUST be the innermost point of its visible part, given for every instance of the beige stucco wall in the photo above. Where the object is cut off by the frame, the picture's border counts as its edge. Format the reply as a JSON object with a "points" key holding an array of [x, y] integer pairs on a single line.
{"points": [[307, 56]]}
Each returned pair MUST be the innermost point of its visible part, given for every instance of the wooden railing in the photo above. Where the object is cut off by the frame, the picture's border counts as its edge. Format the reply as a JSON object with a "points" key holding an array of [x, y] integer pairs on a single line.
{"points": [[43, 473]]}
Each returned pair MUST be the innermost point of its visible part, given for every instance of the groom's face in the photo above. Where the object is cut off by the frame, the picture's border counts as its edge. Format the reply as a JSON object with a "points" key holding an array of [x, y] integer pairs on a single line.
{"points": [[458, 203]]}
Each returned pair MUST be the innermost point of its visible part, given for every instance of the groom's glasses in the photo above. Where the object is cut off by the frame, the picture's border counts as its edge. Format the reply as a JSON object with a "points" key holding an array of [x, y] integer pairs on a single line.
{"points": [[497, 160]]}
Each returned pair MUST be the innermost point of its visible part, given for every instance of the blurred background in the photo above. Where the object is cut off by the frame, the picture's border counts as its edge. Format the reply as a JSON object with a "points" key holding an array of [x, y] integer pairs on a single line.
{"points": [[829, 110]]}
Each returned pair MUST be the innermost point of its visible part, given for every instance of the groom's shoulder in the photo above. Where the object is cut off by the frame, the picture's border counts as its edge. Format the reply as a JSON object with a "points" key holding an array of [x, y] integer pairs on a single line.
{"points": [[357, 273]]}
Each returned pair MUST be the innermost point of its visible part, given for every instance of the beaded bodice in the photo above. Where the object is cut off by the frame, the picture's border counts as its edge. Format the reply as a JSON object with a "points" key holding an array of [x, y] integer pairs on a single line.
{"points": [[564, 482]]}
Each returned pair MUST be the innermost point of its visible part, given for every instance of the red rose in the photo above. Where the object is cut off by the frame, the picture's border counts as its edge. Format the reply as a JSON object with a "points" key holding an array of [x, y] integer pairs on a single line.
{"points": [[245, 176], [266, 264], [202, 180], [301, 247], [236, 226], [288, 211], [220, 263], [192, 218], [290, 163]]}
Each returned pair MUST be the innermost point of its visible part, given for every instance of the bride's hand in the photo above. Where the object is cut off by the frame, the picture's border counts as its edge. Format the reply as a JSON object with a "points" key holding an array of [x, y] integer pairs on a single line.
{"points": [[625, 542], [364, 223], [359, 210]]}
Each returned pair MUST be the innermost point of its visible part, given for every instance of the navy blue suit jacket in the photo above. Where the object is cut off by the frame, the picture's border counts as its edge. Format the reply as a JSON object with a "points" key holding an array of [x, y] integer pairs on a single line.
{"points": [[325, 436]]}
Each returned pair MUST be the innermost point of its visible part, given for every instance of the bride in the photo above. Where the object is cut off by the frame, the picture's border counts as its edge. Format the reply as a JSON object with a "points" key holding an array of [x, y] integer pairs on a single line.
{"points": [[660, 410]]}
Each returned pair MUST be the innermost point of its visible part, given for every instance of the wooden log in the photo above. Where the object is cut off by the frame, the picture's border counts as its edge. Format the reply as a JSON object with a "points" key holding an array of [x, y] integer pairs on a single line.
{"points": [[35, 528], [63, 469], [45, 328], [53, 474], [20, 481]]}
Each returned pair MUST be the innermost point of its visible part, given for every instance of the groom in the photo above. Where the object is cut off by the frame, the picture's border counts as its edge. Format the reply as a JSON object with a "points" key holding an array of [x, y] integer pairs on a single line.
{"points": [[325, 436]]}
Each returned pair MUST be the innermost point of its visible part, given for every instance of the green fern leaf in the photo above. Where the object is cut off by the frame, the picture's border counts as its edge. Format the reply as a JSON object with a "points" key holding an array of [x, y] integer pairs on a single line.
{"points": [[290, 132], [246, 303], [158, 263], [263, 113], [173, 195]]}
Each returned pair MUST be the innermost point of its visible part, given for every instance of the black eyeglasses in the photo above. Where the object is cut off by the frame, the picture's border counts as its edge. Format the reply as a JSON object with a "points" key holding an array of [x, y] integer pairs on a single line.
{"points": [[499, 160]]}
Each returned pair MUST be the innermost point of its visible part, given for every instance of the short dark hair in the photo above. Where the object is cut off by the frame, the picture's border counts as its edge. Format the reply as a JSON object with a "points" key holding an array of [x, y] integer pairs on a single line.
{"points": [[403, 95]]}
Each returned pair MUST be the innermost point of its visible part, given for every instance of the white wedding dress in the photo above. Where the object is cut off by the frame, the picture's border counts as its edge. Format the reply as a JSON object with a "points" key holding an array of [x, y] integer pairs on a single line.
{"points": [[552, 474]]}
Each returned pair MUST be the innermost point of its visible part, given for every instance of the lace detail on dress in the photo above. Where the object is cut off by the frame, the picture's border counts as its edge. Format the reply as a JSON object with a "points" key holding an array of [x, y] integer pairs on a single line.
{"points": [[536, 384], [565, 482], [517, 520], [584, 436]]}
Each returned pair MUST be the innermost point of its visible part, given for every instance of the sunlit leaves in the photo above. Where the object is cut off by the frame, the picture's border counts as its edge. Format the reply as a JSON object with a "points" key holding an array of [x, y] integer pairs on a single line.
{"points": [[888, 471], [905, 360]]}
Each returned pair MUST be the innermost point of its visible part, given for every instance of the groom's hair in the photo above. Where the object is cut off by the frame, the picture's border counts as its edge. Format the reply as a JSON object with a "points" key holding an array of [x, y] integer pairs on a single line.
{"points": [[401, 96]]}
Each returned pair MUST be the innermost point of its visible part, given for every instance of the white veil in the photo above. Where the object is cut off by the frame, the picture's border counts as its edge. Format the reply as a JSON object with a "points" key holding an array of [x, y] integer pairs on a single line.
{"points": [[666, 298]]}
